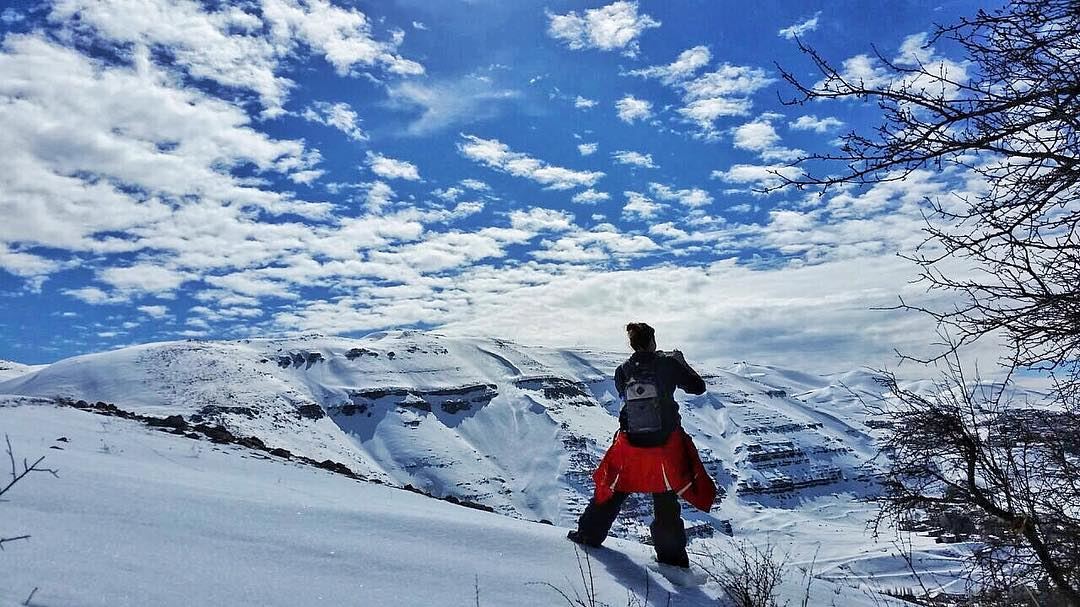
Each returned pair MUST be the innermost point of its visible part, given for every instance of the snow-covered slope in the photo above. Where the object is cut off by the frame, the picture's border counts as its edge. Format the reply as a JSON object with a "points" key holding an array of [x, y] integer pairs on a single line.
{"points": [[11, 370], [138, 517], [512, 427], [516, 428]]}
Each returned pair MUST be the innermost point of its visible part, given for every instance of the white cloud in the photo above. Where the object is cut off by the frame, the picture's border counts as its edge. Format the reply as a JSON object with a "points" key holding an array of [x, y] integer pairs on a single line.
{"points": [[864, 70], [419, 25], [337, 115], [640, 206], [634, 159], [542, 220], [449, 194], [693, 197], [597, 246], [760, 136], [705, 112], [100, 157], [389, 168], [825, 318], [239, 47], [475, 184], [446, 103], [616, 26], [590, 196], [585, 149], [727, 81], [723, 92], [94, 296], [759, 176], [812, 123], [379, 194], [342, 36], [632, 109], [756, 136], [710, 96], [11, 16], [668, 230], [685, 65], [156, 312], [144, 278], [497, 155], [464, 209], [24, 264], [926, 73], [583, 103], [799, 29]]}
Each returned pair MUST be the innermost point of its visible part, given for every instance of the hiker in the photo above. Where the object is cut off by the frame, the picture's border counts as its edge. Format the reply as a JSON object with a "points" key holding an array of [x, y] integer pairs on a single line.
{"points": [[651, 453]]}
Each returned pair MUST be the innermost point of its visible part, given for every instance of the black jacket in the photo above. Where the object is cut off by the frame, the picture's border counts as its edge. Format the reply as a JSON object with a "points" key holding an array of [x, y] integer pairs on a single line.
{"points": [[670, 374]]}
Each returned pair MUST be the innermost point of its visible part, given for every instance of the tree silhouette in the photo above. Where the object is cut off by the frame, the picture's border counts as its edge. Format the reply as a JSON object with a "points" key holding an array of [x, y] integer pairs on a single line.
{"points": [[1003, 124]]}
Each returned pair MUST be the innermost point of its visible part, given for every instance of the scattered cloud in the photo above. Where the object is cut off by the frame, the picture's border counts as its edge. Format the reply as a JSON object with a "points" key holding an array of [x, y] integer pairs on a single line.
{"points": [[636, 159], [497, 155], [474, 184], [337, 115], [145, 278], [799, 29], [590, 196], [539, 220], [632, 109], [378, 195], [693, 197], [685, 65], [112, 159], [10, 16], [757, 176], [709, 96], [761, 137], [240, 47], [639, 206], [158, 170], [600, 245], [586, 149], [442, 104], [614, 27], [812, 123], [155, 312], [389, 168], [583, 103], [756, 136], [814, 318]]}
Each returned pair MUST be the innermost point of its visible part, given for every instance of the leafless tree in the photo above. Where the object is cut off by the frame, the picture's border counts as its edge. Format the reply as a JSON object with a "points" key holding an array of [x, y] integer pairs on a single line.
{"points": [[750, 575], [16, 476], [977, 457], [1007, 117], [1002, 125]]}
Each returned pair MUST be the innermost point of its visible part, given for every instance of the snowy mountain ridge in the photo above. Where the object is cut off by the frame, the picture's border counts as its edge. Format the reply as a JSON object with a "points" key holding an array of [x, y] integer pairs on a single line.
{"points": [[516, 428]]}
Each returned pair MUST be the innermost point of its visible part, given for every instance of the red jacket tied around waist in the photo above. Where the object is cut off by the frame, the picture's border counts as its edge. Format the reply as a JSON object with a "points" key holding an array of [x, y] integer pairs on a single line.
{"points": [[673, 466]]}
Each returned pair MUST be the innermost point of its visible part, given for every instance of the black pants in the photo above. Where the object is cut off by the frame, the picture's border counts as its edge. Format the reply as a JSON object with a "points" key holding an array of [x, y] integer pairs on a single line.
{"points": [[668, 533]]}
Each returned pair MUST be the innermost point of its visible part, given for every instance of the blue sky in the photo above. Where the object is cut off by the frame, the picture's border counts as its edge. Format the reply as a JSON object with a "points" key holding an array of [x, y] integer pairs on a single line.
{"points": [[541, 171]]}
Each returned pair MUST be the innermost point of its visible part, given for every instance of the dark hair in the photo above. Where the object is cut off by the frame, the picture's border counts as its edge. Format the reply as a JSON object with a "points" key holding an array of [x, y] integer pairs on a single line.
{"points": [[640, 334]]}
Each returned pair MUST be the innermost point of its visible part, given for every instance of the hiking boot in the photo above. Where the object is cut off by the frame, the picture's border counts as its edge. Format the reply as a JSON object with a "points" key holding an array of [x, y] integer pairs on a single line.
{"points": [[578, 538], [683, 563]]}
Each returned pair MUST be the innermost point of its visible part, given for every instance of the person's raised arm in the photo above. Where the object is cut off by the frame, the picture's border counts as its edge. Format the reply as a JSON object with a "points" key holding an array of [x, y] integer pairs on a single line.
{"points": [[686, 377]]}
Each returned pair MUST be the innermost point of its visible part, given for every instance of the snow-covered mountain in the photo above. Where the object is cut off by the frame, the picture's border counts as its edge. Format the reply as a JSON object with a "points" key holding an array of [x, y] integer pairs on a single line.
{"points": [[515, 428], [10, 370], [139, 517]]}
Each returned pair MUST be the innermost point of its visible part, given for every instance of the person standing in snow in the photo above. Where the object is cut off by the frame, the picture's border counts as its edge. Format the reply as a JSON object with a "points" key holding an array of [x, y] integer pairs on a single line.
{"points": [[651, 452]]}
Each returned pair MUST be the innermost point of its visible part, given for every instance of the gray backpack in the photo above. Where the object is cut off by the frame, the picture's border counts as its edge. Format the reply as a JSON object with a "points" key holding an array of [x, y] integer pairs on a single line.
{"points": [[642, 400]]}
